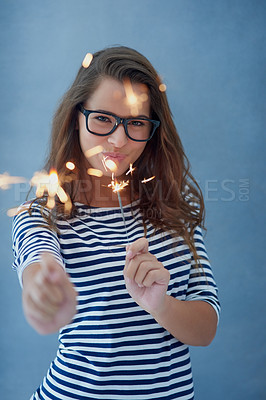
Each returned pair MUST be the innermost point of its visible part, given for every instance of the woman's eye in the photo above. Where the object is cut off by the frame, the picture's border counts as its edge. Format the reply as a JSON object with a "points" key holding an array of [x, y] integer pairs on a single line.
{"points": [[136, 123], [103, 118]]}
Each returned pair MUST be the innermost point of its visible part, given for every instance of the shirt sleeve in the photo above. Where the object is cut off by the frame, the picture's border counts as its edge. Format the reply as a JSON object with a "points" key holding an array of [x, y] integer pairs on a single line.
{"points": [[201, 284], [32, 236]]}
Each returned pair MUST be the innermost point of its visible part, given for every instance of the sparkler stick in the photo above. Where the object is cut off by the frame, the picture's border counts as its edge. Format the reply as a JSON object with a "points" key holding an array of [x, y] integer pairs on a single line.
{"points": [[123, 215], [117, 187]]}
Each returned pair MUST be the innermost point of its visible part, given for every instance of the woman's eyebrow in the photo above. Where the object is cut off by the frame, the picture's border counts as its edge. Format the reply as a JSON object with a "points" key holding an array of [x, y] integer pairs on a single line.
{"points": [[127, 117]]}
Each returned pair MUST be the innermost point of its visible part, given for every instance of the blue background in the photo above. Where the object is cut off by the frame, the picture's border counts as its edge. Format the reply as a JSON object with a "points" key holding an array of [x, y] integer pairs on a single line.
{"points": [[211, 55]]}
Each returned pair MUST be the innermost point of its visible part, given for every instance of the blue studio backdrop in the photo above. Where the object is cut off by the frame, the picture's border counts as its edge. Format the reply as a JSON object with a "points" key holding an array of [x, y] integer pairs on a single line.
{"points": [[211, 56]]}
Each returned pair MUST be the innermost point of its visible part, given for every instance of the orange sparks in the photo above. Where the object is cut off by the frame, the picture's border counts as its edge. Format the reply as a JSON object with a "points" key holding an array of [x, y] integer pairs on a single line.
{"points": [[92, 152], [70, 165], [6, 180], [148, 179], [131, 169], [87, 60], [118, 186]]}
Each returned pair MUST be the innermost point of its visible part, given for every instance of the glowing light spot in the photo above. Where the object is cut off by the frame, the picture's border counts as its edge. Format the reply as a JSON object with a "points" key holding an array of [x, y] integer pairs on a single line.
{"points": [[6, 180], [50, 202], [12, 212], [92, 152], [63, 197], [87, 60], [133, 99], [111, 165], [70, 165], [143, 97], [53, 184], [95, 172], [162, 87]]}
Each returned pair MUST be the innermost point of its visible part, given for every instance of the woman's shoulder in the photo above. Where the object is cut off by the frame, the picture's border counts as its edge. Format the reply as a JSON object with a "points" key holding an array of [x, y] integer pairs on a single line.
{"points": [[31, 208], [29, 215]]}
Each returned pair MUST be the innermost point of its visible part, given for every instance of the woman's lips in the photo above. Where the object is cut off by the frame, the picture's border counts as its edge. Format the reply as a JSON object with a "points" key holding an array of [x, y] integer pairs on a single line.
{"points": [[116, 157]]}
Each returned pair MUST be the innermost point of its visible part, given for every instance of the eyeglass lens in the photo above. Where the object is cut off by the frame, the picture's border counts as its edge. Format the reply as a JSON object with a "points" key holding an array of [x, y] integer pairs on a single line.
{"points": [[102, 124]]}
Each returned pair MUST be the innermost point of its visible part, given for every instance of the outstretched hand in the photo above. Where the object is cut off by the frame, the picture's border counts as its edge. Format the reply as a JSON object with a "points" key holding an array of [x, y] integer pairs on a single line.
{"points": [[49, 298], [145, 277]]}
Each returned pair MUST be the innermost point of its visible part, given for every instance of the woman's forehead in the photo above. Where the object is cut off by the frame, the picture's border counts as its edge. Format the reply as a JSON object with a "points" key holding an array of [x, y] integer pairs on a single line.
{"points": [[129, 98]]}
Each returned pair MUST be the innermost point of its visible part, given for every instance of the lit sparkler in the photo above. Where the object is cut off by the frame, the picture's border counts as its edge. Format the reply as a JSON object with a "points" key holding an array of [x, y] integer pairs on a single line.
{"points": [[117, 187], [50, 184]]}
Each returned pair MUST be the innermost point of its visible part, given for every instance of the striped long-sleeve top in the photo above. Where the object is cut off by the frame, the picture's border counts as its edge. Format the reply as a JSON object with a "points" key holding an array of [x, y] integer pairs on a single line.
{"points": [[113, 349]]}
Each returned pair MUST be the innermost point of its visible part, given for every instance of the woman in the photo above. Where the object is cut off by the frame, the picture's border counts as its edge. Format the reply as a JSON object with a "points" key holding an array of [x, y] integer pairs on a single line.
{"points": [[129, 288]]}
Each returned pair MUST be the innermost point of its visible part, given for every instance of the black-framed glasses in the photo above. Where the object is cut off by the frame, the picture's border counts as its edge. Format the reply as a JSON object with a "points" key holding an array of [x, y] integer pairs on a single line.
{"points": [[103, 123]]}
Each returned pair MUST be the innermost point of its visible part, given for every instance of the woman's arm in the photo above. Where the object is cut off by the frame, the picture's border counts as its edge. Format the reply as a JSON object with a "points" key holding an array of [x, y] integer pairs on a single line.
{"points": [[191, 322], [49, 298]]}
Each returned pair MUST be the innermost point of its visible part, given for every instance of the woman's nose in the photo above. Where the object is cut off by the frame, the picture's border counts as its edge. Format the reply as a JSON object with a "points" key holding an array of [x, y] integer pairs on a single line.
{"points": [[118, 138]]}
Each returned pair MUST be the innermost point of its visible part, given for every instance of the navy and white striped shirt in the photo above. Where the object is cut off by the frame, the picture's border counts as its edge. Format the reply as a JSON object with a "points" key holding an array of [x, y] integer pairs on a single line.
{"points": [[113, 349]]}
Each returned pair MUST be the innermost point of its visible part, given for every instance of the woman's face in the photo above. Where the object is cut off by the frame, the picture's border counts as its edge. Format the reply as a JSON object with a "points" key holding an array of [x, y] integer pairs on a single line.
{"points": [[112, 96]]}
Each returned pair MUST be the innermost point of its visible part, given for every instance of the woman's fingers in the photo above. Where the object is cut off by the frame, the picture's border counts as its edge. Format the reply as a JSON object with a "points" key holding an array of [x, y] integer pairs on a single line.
{"points": [[140, 269], [41, 312], [140, 264], [140, 246], [160, 276], [49, 297], [47, 291], [45, 295], [145, 277], [50, 268]]}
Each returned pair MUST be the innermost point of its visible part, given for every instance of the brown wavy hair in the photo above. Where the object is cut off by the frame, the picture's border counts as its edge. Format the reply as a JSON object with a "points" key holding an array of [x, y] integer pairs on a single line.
{"points": [[171, 202]]}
